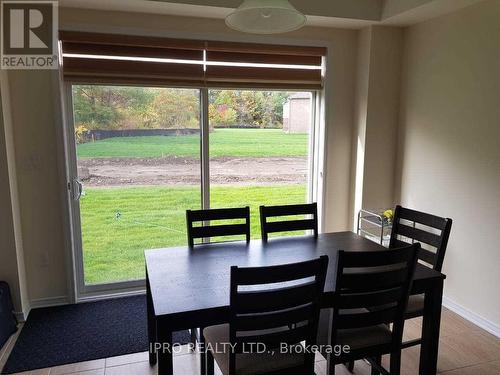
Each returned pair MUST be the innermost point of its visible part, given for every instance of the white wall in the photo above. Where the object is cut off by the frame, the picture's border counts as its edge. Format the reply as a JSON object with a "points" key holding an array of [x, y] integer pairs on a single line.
{"points": [[449, 146], [34, 141], [12, 267], [382, 116], [360, 116], [376, 118]]}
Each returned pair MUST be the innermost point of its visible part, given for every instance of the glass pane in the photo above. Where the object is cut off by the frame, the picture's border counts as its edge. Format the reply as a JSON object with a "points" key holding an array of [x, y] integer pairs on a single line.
{"points": [[259, 145], [138, 152]]}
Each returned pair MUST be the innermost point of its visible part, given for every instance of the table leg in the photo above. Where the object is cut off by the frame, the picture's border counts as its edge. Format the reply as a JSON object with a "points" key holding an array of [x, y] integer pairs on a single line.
{"points": [[165, 355], [430, 329], [151, 324], [203, 360]]}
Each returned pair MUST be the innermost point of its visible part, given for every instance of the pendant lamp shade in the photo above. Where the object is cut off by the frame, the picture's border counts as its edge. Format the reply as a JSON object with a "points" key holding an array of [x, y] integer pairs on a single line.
{"points": [[265, 17]]}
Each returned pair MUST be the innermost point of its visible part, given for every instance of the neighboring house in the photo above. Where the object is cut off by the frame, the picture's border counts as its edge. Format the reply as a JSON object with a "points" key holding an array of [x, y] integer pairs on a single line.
{"points": [[297, 113]]}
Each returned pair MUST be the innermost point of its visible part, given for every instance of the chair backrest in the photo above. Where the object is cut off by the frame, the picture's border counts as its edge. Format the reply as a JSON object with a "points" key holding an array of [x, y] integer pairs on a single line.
{"points": [[372, 288], [207, 231], [267, 212], [275, 305], [431, 231]]}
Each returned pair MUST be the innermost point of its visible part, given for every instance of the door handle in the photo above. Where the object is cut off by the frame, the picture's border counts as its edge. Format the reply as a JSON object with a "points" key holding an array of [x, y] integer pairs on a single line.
{"points": [[77, 190]]}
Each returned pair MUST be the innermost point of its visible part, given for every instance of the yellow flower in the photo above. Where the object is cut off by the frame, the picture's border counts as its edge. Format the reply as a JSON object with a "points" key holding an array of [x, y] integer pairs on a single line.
{"points": [[388, 214]]}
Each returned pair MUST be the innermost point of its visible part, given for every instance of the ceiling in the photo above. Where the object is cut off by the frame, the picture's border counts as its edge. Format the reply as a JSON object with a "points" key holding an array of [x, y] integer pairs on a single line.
{"points": [[325, 13]]}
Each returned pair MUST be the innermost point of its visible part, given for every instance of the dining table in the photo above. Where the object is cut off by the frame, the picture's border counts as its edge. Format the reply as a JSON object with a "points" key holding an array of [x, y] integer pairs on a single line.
{"points": [[188, 287]]}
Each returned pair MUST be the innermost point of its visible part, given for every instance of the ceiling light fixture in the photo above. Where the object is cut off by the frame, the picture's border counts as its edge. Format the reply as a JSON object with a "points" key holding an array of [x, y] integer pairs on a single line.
{"points": [[265, 17]]}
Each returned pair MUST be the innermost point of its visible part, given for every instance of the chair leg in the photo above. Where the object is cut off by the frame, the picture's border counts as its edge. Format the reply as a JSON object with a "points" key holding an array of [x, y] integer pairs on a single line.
{"points": [[203, 360], [378, 361], [331, 368], [209, 363], [395, 366], [194, 339], [350, 366]]}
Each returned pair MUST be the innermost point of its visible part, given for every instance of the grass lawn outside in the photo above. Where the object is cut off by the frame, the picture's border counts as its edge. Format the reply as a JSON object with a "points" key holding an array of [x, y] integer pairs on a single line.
{"points": [[223, 142], [118, 224]]}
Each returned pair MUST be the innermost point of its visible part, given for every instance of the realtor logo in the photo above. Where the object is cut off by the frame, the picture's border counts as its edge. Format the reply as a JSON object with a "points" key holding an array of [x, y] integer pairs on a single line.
{"points": [[29, 35]]}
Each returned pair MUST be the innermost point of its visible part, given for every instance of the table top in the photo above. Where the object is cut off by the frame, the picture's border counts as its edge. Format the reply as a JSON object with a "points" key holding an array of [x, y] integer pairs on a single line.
{"points": [[187, 280]]}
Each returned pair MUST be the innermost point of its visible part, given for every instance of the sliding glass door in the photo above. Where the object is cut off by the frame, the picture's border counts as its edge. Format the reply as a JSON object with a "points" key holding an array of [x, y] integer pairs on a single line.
{"points": [[259, 149], [137, 171], [140, 156]]}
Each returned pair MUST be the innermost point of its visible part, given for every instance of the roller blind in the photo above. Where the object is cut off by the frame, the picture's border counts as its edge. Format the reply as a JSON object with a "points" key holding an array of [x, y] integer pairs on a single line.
{"points": [[112, 58]]}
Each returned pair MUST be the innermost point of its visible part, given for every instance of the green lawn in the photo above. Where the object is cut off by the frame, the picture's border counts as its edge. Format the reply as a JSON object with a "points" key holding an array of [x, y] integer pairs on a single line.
{"points": [[223, 142], [118, 224]]}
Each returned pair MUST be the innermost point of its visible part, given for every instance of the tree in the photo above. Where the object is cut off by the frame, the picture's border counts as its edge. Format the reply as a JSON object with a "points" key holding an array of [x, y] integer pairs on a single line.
{"points": [[91, 106], [120, 107], [222, 115], [175, 108], [110, 107], [247, 107]]}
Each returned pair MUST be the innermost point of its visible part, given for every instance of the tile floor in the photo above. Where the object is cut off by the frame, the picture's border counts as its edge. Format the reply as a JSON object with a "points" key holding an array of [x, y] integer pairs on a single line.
{"points": [[464, 350]]}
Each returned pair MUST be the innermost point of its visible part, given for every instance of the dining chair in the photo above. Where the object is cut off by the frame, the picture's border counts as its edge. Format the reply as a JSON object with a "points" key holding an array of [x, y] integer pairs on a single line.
{"points": [[207, 231], [274, 226], [277, 307], [371, 291], [432, 232]]}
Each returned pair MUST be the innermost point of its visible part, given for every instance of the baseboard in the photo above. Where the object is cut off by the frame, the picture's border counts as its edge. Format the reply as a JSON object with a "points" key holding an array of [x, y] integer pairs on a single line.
{"points": [[20, 316], [472, 317], [47, 302], [103, 296], [7, 348], [4, 351]]}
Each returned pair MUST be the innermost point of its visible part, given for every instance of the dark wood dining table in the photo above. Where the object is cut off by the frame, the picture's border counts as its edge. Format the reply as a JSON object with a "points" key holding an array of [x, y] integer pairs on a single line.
{"points": [[189, 287]]}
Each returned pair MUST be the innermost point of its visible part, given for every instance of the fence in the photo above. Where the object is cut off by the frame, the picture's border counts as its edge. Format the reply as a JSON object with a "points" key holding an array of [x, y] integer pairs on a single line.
{"points": [[98, 134]]}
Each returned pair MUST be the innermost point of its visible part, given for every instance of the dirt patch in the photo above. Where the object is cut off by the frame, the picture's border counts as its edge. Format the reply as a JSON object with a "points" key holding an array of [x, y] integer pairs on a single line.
{"points": [[186, 171]]}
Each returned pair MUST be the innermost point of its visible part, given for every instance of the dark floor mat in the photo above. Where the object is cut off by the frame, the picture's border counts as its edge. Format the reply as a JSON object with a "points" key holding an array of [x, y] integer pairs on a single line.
{"points": [[54, 336]]}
